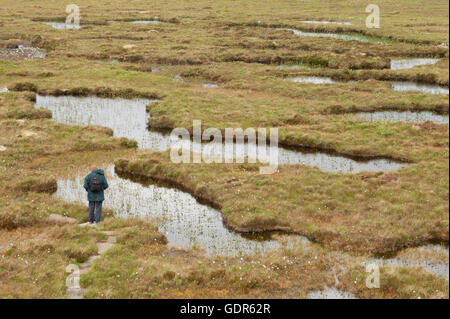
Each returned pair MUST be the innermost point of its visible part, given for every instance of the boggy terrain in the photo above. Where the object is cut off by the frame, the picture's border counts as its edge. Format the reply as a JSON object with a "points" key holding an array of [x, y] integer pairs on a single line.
{"points": [[246, 51]]}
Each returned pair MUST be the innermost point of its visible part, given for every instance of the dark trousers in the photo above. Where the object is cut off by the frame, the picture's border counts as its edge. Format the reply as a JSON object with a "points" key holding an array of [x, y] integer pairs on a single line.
{"points": [[95, 206]]}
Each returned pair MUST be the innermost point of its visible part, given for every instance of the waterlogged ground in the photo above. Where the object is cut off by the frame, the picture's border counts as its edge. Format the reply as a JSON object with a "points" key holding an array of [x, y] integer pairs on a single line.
{"points": [[411, 86], [362, 116], [183, 221], [63, 25], [396, 85], [330, 293], [128, 118], [313, 79], [345, 37], [146, 22], [406, 116], [410, 63]]}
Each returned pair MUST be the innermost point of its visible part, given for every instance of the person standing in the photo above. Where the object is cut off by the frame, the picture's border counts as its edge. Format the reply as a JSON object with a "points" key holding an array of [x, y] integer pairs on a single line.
{"points": [[95, 184]]}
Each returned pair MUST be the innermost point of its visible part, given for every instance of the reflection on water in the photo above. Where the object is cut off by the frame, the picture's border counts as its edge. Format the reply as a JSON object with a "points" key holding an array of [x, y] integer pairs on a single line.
{"points": [[128, 118], [181, 218], [4, 90], [330, 293], [146, 22], [339, 36], [313, 79], [210, 85], [63, 25], [410, 63], [404, 116], [326, 22], [335, 163], [412, 86]]}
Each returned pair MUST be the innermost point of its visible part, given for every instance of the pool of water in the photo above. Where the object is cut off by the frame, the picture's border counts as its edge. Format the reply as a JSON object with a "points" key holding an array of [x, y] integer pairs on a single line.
{"points": [[185, 222], [210, 85], [404, 116], [339, 36], [325, 22], [410, 63], [412, 86], [63, 25], [146, 22], [128, 118], [313, 80], [396, 85], [330, 293], [4, 90]]}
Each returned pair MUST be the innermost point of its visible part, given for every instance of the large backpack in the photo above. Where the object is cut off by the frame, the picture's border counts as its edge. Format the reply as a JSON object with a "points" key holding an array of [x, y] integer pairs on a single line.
{"points": [[96, 184]]}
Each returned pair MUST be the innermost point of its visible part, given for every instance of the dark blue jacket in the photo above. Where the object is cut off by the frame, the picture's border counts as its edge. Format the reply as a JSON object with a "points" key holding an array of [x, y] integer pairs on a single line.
{"points": [[99, 196]]}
